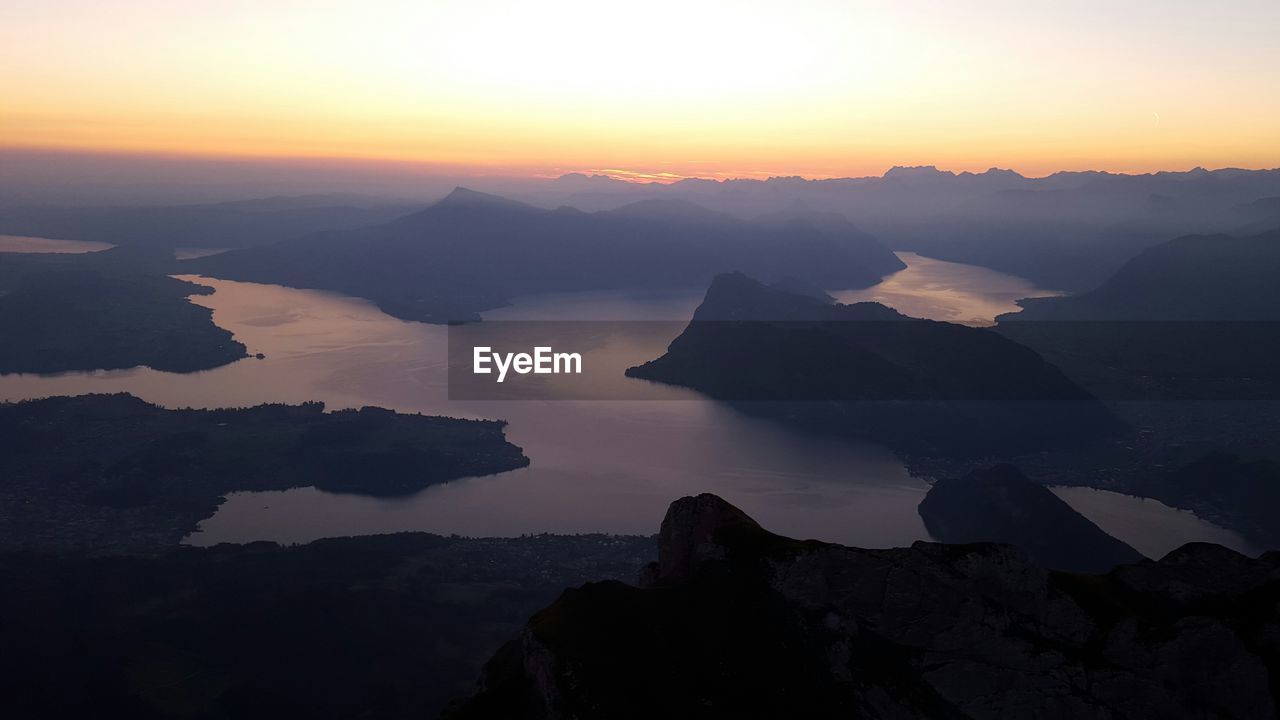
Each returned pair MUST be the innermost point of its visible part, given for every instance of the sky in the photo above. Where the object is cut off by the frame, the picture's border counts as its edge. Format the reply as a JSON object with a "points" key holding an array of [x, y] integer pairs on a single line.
{"points": [[657, 89]]}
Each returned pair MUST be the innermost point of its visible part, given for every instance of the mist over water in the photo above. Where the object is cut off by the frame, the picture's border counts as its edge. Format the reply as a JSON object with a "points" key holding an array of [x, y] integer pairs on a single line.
{"points": [[597, 466]]}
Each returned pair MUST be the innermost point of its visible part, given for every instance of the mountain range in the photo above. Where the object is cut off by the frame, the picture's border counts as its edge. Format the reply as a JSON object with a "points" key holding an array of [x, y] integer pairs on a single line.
{"points": [[1067, 231], [242, 223], [472, 252]]}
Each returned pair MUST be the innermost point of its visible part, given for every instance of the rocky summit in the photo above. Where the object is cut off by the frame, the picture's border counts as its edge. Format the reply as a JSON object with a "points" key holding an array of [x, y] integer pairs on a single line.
{"points": [[733, 621]]}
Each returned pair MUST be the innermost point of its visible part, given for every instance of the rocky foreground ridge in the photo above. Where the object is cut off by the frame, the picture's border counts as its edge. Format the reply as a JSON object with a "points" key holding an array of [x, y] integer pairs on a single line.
{"points": [[734, 622]]}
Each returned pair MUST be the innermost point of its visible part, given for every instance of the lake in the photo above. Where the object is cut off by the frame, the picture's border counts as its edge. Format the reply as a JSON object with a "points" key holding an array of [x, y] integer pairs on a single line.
{"points": [[1149, 526], [941, 290], [597, 466], [24, 244]]}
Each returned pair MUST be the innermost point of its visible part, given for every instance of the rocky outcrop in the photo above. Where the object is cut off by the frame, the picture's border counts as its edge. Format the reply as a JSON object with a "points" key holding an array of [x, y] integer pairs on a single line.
{"points": [[735, 622]]}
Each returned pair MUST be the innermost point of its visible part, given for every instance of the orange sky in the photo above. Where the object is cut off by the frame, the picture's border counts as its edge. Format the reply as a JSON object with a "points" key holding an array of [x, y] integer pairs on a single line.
{"points": [[712, 88]]}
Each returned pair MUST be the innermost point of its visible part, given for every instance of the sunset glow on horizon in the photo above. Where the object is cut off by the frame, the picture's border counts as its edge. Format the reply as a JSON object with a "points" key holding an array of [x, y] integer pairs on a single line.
{"points": [[655, 91]]}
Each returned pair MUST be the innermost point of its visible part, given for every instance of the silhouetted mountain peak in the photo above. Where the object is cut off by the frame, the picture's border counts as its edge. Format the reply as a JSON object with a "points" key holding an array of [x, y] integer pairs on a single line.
{"points": [[736, 296], [467, 198], [583, 180], [996, 172], [697, 530], [751, 343], [473, 250], [1000, 504], [917, 172], [699, 182]]}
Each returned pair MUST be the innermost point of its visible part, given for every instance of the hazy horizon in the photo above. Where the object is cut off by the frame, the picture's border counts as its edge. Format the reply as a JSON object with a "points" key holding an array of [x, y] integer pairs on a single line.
{"points": [[72, 176], [711, 89]]}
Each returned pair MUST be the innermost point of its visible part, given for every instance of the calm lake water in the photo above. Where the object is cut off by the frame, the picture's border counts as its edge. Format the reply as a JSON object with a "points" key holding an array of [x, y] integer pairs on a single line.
{"points": [[941, 290], [1149, 526], [597, 466], [23, 244], [191, 253]]}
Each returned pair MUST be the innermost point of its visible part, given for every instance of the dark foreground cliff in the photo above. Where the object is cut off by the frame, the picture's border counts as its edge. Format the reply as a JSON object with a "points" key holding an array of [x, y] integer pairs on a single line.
{"points": [[735, 622]]}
